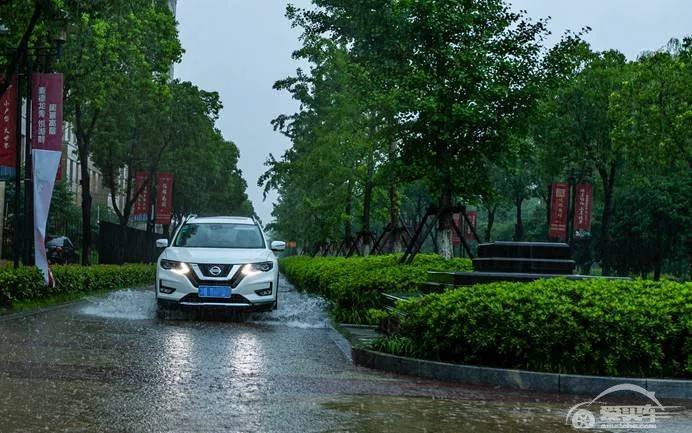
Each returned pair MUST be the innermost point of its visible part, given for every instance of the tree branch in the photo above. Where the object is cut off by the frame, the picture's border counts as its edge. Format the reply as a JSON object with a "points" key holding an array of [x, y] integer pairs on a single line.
{"points": [[22, 47]]}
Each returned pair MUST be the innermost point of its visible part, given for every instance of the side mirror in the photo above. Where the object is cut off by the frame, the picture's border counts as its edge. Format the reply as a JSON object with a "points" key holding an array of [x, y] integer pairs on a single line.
{"points": [[278, 246], [161, 243]]}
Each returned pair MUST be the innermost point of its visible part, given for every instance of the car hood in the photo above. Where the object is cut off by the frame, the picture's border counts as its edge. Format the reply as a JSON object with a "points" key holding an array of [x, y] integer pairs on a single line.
{"points": [[218, 255]]}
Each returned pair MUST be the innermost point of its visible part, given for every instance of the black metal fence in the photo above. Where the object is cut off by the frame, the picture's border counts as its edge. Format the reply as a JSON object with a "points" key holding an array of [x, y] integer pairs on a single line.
{"points": [[118, 244]]}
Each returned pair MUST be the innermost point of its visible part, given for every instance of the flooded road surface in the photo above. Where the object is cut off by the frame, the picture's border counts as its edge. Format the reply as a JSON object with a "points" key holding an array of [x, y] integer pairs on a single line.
{"points": [[110, 366]]}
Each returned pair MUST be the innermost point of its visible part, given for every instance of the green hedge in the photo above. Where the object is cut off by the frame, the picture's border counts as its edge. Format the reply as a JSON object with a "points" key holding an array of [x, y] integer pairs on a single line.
{"points": [[26, 283], [354, 285], [618, 328]]}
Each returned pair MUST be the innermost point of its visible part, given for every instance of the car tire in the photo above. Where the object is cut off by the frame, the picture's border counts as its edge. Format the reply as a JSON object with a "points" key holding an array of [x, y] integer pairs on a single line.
{"points": [[162, 310]]}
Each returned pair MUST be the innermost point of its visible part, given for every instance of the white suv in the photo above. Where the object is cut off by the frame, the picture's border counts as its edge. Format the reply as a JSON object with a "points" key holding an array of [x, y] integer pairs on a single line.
{"points": [[218, 262]]}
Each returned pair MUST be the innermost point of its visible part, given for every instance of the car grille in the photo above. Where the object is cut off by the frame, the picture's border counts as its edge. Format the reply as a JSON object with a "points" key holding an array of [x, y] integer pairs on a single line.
{"points": [[206, 267], [233, 282]]}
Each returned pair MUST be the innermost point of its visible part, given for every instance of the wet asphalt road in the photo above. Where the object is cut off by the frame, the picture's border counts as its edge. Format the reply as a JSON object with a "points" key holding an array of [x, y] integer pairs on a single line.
{"points": [[109, 365]]}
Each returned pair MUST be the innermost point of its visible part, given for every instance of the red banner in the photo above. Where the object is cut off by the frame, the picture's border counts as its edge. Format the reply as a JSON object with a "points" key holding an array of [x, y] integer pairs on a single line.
{"points": [[468, 234], [8, 132], [164, 198], [46, 113], [583, 202], [456, 240], [559, 208], [141, 207]]}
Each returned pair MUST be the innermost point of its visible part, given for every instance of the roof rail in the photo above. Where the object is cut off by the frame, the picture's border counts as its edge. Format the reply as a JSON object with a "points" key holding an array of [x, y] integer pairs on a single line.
{"points": [[189, 217]]}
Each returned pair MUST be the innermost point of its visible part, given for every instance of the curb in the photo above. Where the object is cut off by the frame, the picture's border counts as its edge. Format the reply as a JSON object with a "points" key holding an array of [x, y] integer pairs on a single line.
{"points": [[553, 383], [341, 341]]}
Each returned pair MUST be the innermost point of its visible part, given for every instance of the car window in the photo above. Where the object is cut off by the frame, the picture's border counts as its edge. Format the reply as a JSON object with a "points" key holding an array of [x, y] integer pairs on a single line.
{"points": [[221, 235]]}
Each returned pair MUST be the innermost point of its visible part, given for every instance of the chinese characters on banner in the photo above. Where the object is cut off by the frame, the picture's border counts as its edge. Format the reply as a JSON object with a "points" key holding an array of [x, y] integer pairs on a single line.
{"points": [[46, 124], [583, 201], [468, 233], [46, 113], [455, 237], [164, 198], [141, 207], [8, 132], [559, 208]]}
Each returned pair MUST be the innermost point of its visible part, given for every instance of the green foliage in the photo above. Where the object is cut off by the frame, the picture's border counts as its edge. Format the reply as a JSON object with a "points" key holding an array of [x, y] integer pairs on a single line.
{"points": [[172, 130], [620, 328], [26, 283], [355, 285], [398, 91]]}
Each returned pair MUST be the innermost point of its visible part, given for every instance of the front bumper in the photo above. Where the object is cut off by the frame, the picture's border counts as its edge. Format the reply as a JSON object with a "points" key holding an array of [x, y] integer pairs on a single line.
{"points": [[244, 289]]}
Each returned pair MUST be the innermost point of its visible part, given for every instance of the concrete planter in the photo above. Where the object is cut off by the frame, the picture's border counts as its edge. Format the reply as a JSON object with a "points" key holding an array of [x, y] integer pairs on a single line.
{"points": [[515, 379]]}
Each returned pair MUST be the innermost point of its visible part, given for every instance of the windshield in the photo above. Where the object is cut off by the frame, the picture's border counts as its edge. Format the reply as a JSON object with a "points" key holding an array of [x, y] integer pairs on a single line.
{"points": [[222, 235]]}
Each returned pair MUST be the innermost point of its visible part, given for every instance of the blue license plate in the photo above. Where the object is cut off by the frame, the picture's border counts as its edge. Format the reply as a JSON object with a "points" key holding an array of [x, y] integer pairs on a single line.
{"points": [[214, 292]]}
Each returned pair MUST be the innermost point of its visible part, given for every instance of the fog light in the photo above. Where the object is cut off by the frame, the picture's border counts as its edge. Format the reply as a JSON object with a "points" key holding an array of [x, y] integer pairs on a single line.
{"points": [[166, 290], [264, 292]]}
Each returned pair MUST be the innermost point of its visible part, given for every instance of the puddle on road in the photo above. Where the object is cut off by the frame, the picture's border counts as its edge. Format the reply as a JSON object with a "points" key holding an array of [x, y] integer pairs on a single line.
{"points": [[381, 414], [296, 309], [125, 304]]}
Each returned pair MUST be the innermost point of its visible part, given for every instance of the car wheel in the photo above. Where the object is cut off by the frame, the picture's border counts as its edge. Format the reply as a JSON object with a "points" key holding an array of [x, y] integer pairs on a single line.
{"points": [[162, 311]]}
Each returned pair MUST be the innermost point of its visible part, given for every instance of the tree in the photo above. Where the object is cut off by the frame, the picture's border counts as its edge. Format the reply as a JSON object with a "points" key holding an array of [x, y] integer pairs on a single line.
{"points": [[518, 180], [21, 19], [145, 128], [577, 127], [333, 141], [651, 224], [652, 125], [370, 32], [472, 80], [439, 84], [109, 44], [651, 111]]}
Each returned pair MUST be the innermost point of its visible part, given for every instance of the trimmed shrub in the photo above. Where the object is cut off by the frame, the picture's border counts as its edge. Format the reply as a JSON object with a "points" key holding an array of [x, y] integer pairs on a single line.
{"points": [[601, 327], [26, 283], [354, 285]]}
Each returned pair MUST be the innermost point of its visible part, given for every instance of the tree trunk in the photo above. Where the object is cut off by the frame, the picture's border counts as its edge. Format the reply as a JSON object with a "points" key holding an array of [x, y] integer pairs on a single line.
{"points": [[491, 220], [83, 150], [445, 226], [394, 239], [122, 245], [658, 254], [151, 220], [348, 224], [367, 204], [519, 226], [608, 179]]}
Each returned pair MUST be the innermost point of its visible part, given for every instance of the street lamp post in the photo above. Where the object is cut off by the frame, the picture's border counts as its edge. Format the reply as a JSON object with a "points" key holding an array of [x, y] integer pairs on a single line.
{"points": [[22, 244], [28, 180], [16, 241]]}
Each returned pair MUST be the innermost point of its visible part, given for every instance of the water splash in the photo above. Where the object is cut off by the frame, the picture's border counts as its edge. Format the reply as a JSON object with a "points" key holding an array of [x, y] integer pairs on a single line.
{"points": [[124, 304], [296, 310]]}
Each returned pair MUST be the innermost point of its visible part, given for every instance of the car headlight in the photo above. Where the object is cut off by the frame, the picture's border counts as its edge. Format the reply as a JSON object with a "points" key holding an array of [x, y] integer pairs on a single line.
{"points": [[177, 267], [254, 268]]}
